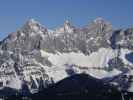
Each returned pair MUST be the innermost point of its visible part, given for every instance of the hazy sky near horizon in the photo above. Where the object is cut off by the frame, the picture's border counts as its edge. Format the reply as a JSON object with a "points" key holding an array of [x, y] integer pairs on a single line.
{"points": [[51, 13]]}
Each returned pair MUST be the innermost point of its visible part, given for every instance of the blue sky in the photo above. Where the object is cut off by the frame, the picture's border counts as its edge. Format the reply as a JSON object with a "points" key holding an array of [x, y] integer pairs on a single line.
{"points": [[14, 13]]}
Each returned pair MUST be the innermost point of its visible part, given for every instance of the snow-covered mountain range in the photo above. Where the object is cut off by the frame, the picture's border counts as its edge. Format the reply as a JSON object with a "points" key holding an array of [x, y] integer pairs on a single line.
{"points": [[37, 56]]}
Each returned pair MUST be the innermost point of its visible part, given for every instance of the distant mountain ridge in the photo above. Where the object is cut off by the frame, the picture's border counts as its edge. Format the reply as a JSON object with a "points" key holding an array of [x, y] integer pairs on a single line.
{"points": [[36, 56]]}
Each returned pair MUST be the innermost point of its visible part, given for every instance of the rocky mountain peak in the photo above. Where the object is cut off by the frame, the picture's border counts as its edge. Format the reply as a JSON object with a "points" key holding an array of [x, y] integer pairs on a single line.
{"points": [[31, 23], [99, 20], [67, 27], [33, 27], [67, 23], [100, 26]]}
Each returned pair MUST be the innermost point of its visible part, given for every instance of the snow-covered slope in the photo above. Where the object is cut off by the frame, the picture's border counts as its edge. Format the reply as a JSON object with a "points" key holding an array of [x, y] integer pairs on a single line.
{"points": [[100, 58]]}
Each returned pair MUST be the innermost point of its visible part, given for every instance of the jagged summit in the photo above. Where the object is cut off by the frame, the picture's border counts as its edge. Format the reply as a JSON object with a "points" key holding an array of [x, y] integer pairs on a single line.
{"points": [[27, 29], [100, 26], [33, 27], [99, 20], [67, 27], [67, 23], [32, 21]]}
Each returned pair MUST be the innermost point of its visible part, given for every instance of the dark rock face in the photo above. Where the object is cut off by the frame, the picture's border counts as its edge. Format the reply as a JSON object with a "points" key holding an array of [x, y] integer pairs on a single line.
{"points": [[117, 62], [81, 87], [98, 33], [113, 39], [129, 57], [77, 87], [123, 38]]}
